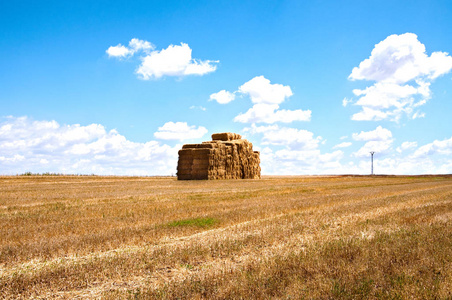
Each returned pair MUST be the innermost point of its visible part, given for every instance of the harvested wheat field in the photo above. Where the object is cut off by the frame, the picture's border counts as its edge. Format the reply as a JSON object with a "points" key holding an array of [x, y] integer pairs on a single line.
{"points": [[277, 237]]}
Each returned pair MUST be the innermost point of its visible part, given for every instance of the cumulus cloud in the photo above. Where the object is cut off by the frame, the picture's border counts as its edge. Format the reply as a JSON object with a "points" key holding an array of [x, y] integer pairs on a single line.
{"points": [[292, 151], [406, 146], [269, 113], [47, 146], [369, 114], [342, 145], [379, 140], [291, 138], [179, 131], [261, 91], [411, 165], [287, 162], [443, 147], [346, 101], [379, 134], [289, 151], [401, 58], [266, 98], [118, 51], [222, 97], [298, 162], [381, 148], [389, 100], [176, 60], [403, 73], [135, 45]]}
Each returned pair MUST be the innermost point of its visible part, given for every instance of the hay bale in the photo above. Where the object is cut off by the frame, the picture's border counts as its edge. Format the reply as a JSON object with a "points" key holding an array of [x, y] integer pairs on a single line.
{"points": [[226, 136], [227, 156]]}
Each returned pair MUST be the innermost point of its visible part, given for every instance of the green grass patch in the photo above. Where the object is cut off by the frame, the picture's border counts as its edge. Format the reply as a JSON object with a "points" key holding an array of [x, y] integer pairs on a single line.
{"points": [[195, 222]]}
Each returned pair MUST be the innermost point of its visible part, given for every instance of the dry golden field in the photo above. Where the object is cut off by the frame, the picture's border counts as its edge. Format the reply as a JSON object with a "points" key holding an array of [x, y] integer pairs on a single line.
{"points": [[333, 237]]}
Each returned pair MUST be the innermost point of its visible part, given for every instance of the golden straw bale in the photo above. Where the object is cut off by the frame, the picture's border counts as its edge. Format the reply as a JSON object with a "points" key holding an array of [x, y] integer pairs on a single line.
{"points": [[227, 156]]}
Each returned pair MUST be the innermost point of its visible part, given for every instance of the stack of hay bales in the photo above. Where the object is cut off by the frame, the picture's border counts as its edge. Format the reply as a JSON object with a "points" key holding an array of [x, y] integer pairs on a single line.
{"points": [[227, 156]]}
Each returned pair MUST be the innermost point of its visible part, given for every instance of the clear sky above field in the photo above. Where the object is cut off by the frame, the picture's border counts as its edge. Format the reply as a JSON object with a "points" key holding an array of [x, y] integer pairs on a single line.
{"points": [[116, 87]]}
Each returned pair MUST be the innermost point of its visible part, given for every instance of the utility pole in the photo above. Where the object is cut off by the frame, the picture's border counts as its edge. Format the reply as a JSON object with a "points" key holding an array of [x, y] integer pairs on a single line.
{"points": [[372, 162]]}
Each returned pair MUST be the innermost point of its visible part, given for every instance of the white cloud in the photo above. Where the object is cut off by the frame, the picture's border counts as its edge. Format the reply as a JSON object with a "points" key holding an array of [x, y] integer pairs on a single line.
{"points": [[409, 165], [401, 58], [418, 114], [369, 114], [222, 97], [291, 138], [118, 51], [378, 140], [14, 158], [198, 107], [381, 148], [289, 151], [135, 45], [443, 147], [266, 98], [385, 95], [176, 60], [269, 113], [346, 101], [261, 91], [406, 146], [46, 146], [389, 100], [379, 134], [342, 145], [292, 151], [179, 131], [402, 72], [294, 162]]}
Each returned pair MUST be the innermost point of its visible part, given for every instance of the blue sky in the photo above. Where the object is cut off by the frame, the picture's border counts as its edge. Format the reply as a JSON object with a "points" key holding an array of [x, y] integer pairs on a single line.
{"points": [[116, 87]]}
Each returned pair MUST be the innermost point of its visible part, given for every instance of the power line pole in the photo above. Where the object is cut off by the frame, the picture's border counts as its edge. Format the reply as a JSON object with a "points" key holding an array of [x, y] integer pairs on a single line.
{"points": [[372, 163]]}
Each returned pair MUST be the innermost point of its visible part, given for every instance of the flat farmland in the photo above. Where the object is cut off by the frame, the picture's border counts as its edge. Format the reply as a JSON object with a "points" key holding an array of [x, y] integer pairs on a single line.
{"points": [[322, 237]]}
